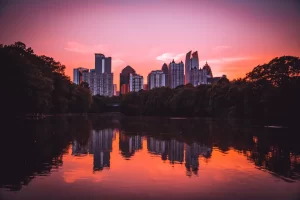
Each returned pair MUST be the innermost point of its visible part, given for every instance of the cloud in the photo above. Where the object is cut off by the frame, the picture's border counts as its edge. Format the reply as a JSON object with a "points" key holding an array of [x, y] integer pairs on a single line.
{"points": [[116, 64], [117, 61], [226, 60], [166, 57], [83, 49], [221, 48]]}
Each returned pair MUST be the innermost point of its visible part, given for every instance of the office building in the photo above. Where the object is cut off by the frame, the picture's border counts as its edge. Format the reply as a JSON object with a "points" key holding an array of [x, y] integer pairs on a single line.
{"points": [[100, 79], [156, 78], [208, 69], [136, 82], [78, 73], [102, 63], [124, 78], [165, 70], [176, 74], [191, 67], [193, 74], [187, 67]]}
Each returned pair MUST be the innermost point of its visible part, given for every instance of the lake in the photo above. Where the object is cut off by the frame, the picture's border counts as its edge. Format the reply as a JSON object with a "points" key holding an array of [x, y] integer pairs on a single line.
{"points": [[114, 157]]}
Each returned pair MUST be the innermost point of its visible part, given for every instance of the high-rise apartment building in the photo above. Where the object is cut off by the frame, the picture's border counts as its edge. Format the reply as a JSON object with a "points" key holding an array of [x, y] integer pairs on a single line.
{"points": [[136, 82], [100, 84], [78, 73], [176, 74], [156, 78]]}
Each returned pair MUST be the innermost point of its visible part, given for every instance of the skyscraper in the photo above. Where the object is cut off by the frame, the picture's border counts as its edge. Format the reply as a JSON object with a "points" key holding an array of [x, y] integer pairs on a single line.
{"points": [[100, 79], [209, 72], [78, 73], [100, 84], [187, 67], [102, 63], [136, 82], [191, 63], [165, 70], [195, 60], [124, 77], [176, 74], [156, 78]]}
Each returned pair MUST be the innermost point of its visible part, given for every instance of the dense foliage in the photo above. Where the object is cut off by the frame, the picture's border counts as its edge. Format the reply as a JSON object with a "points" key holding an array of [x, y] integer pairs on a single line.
{"points": [[38, 84], [269, 91]]}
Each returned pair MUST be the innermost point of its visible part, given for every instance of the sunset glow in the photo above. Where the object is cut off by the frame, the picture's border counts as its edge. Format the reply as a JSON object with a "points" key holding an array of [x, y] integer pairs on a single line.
{"points": [[233, 36]]}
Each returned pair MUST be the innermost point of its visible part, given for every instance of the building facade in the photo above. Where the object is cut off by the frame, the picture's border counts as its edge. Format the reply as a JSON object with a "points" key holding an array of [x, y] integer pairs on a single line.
{"points": [[176, 74], [191, 66], [100, 79], [124, 78], [136, 82], [102, 63], [100, 84], [125, 88], [156, 78], [165, 70], [187, 67], [78, 74]]}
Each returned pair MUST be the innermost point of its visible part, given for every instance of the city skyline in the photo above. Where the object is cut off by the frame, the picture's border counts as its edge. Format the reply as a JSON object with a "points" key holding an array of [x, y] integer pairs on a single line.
{"points": [[233, 37]]}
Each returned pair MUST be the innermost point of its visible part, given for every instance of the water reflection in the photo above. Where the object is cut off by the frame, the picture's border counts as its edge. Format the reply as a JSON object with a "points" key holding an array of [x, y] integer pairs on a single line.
{"points": [[192, 154], [129, 144], [57, 144]]}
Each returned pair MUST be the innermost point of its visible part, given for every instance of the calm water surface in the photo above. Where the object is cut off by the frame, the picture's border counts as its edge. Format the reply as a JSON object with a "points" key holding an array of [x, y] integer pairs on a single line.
{"points": [[146, 158]]}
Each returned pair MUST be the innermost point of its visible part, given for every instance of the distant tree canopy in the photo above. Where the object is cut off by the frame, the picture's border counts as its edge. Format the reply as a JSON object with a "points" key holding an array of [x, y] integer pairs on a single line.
{"points": [[38, 84], [269, 91]]}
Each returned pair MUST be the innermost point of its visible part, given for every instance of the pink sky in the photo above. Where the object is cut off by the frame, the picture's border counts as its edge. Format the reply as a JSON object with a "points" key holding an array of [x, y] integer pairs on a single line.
{"points": [[233, 36]]}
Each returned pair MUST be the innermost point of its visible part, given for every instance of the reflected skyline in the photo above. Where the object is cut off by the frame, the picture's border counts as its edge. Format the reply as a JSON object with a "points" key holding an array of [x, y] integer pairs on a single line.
{"points": [[151, 162]]}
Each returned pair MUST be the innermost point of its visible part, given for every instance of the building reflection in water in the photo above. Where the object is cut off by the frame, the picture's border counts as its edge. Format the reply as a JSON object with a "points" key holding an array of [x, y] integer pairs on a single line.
{"points": [[158, 147], [129, 144], [99, 145], [79, 149], [173, 151], [192, 153]]}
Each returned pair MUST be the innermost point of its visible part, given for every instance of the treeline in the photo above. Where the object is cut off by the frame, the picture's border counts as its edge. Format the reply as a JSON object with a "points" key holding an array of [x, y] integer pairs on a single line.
{"points": [[270, 91], [38, 84]]}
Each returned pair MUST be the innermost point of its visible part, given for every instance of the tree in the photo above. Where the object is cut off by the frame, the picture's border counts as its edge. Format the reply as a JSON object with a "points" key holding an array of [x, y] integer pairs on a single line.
{"points": [[277, 72]]}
